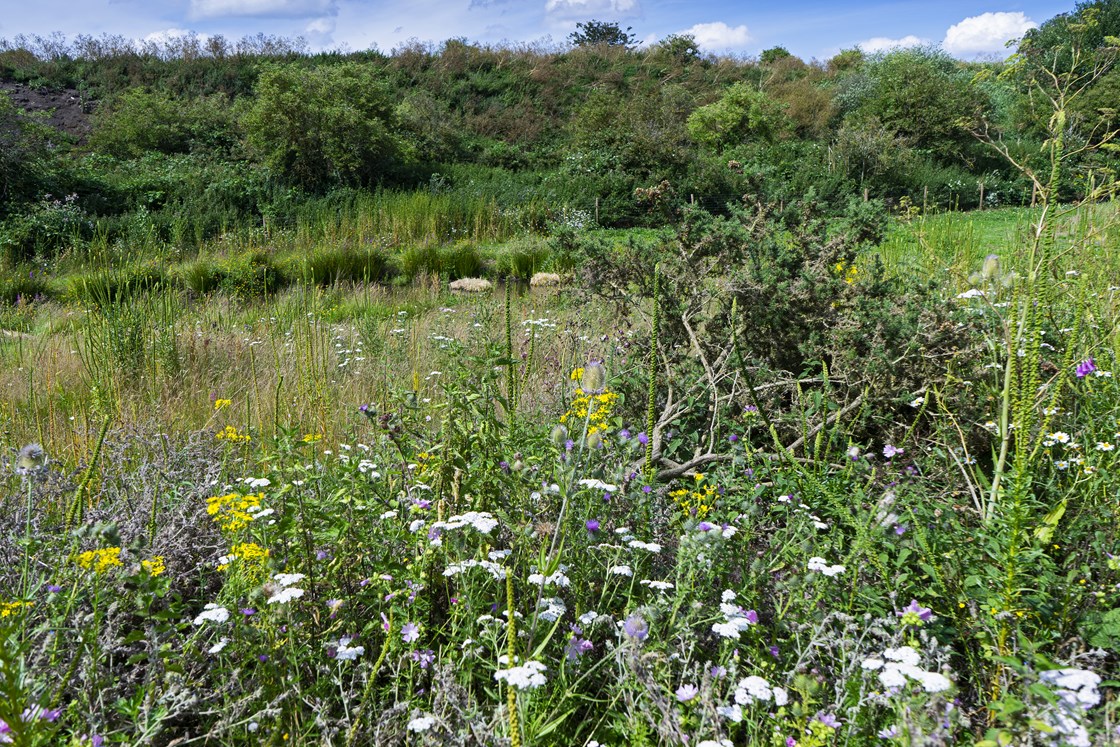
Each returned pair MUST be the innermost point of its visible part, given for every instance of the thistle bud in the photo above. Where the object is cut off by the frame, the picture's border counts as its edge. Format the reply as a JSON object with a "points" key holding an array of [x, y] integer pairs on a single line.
{"points": [[594, 440], [559, 435], [594, 377]]}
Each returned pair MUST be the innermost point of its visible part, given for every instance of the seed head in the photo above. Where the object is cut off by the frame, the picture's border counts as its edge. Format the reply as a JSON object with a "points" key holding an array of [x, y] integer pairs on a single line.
{"points": [[594, 378]]}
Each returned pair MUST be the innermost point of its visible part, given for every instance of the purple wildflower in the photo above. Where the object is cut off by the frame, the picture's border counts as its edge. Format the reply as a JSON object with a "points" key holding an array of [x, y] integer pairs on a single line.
{"points": [[647, 489], [504, 465], [900, 529], [410, 632], [248, 611], [636, 627], [425, 658], [643, 439], [890, 451], [774, 651], [686, 693], [53, 589], [733, 438], [592, 525], [1085, 367], [828, 720], [915, 614], [624, 434], [577, 647], [262, 658]]}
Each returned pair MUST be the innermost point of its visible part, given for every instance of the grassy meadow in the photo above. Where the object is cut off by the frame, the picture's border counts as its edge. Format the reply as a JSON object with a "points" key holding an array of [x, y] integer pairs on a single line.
{"points": [[788, 488]]}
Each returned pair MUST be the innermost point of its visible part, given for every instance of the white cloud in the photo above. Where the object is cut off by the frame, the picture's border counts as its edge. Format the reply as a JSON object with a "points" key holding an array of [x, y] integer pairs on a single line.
{"points": [[719, 36], [320, 32], [268, 8], [885, 44], [590, 8], [985, 33], [166, 35]]}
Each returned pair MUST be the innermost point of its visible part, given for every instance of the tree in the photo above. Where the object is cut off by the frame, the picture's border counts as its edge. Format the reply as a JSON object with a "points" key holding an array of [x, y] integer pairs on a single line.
{"points": [[324, 125], [591, 33], [773, 55]]}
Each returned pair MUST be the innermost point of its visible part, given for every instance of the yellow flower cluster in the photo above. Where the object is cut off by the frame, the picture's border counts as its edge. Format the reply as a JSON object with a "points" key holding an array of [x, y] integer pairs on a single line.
{"points": [[11, 609], [155, 566], [222, 403], [233, 511], [600, 406], [250, 553], [310, 438], [101, 560], [696, 502], [848, 272], [231, 434]]}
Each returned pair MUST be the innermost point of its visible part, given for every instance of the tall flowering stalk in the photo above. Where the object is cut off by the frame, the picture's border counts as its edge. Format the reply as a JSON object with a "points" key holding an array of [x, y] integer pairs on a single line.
{"points": [[511, 691], [651, 393]]}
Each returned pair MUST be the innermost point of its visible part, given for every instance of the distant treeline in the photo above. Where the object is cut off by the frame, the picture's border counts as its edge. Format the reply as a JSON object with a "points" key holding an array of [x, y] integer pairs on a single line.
{"points": [[234, 133]]}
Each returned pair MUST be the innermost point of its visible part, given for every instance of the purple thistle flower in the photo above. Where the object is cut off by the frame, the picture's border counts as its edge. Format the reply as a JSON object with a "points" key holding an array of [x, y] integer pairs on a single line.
{"points": [[647, 489], [706, 526], [53, 589], [592, 525], [643, 439], [262, 658], [504, 465], [624, 434], [733, 438], [1085, 367], [636, 627]]}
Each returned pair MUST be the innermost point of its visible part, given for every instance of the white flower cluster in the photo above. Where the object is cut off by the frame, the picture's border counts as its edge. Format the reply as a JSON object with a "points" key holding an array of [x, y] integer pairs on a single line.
{"points": [[288, 592], [898, 664], [820, 565], [1077, 692], [553, 579], [492, 568], [647, 546], [736, 619], [212, 613], [552, 609], [750, 690], [593, 484], [528, 676], [346, 652], [480, 520]]}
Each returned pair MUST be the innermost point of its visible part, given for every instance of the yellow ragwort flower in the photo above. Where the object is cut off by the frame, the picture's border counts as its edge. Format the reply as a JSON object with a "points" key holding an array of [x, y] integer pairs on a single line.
{"points": [[155, 566], [101, 560]]}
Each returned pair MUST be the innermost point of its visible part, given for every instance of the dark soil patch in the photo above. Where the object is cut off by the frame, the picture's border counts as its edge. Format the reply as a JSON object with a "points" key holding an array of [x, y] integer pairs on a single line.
{"points": [[66, 110]]}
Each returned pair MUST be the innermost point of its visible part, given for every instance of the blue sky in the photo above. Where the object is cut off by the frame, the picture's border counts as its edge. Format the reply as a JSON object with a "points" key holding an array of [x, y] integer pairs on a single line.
{"points": [[808, 28]]}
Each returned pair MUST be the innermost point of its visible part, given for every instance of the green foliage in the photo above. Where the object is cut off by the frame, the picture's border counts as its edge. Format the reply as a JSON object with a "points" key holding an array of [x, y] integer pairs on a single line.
{"points": [[325, 125], [26, 156], [138, 121], [743, 113]]}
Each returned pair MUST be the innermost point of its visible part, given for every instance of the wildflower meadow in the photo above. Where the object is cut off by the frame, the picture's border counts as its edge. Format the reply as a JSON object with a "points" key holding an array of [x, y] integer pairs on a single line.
{"points": [[769, 474]]}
